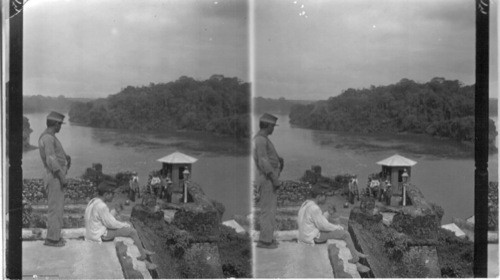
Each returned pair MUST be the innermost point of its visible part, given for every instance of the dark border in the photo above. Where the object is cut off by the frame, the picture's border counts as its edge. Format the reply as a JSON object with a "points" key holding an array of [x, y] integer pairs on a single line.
{"points": [[481, 140], [14, 142]]}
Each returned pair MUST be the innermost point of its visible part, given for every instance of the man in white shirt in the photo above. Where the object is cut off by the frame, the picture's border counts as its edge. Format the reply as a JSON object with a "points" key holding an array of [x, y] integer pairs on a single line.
{"points": [[101, 225], [314, 227]]}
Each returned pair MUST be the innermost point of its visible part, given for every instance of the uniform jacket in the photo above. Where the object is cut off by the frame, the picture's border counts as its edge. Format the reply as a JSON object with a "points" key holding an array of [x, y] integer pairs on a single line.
{"points": [[266, 158]]}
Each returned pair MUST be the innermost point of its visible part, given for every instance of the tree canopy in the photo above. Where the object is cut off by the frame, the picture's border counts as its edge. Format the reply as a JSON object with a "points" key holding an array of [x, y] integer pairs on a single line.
{"points": [[43, 104], [440, 107], [220, 105]]}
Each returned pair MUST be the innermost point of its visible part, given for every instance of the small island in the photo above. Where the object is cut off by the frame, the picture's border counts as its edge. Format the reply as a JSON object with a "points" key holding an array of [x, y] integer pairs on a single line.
{"points": [[219, 105]]}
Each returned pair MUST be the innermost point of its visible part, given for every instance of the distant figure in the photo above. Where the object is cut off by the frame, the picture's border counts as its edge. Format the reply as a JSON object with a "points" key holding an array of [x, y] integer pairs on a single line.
{"points": [[374, 187], [134, 184], [269, 166], [101, 225], [388, 192], [131, 189], [169, 189], [353, 189], [56, 164], [155, 185], [163, 186], [314, 227], [383, 190]]}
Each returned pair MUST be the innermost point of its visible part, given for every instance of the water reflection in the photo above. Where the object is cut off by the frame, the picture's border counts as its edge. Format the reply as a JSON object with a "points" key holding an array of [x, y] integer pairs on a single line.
{"points": [[416, 145]]}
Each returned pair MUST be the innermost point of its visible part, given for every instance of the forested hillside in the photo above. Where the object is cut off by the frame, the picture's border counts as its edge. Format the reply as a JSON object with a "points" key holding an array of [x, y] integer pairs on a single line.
{"points": [[277, 106], [43, 104], [440, 107], [267, 105], [220, 105]]}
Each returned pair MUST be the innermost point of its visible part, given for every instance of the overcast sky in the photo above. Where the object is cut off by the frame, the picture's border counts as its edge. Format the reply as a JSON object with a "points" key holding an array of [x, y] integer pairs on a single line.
{"points": [[315, 49], [94, 48], [304, 49]]}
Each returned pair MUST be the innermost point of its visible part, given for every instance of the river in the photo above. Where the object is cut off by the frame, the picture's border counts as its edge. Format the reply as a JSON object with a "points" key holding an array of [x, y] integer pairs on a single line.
{"points": [[444, 171], [222, 168]]}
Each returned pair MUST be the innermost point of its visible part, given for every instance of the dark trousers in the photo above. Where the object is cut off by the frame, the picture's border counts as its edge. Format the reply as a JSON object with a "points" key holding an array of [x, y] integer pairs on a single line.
{"points": [[55, 208], [267, 218]]}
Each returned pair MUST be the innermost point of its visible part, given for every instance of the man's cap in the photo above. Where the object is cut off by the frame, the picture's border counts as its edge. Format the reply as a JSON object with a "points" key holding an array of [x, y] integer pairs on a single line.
{"points": [[107, 186], [318, 190], [268, 118], [55, 116]]}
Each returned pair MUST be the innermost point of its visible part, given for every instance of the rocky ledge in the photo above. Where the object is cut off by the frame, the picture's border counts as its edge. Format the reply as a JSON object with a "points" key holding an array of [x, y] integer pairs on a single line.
{"points": [[407, 241], [189, 239]]}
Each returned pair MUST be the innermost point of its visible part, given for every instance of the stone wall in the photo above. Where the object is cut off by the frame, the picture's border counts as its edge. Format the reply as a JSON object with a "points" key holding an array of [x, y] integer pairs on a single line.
{"points": [[418, 220], [177, 250], [404, 247], [179, 230]]}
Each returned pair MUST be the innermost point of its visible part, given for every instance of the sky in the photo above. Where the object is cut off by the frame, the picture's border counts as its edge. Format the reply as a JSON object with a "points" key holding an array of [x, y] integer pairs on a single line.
{"points": [[300, 49], [315, 49], [95, 48]]}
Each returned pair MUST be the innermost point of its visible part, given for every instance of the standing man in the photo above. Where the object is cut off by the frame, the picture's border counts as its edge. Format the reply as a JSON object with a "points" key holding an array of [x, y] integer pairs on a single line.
{"points": [[56, 164], [269, 166]]}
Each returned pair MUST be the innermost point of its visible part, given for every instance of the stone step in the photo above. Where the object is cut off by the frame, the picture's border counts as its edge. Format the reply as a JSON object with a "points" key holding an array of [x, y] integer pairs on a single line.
{"points": [[298, 260], [280, 235], [41, 233], [233, 224], [81, 259], [455, 229]]}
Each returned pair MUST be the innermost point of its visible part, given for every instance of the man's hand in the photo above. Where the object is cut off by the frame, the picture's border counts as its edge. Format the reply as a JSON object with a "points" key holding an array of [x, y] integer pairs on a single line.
{"points": [[326, 214], [277, 185], [68, 160], [62, 179]]}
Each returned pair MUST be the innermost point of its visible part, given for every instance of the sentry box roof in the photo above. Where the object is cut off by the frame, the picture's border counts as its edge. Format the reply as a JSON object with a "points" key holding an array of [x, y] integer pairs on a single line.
{"points": [[177, 158], [397, 160]]}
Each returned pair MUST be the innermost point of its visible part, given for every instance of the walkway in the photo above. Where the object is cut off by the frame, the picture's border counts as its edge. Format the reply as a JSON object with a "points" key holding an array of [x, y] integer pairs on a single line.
{"points": [[80, 259], [296, 260]]}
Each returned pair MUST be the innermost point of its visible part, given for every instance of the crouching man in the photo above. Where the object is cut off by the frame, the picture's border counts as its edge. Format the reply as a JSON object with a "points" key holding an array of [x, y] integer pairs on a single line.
{"points": [[314, 227], [101, 225]]}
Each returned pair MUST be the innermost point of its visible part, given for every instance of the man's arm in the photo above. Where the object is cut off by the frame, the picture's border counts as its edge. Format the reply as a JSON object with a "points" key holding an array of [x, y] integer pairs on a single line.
{"points": [[68, 160], [48, 144], [263, 161], [108, 220], [321, 222]]}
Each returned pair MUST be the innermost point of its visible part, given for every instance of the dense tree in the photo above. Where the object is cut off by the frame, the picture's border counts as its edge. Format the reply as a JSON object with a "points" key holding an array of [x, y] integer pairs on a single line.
{"points": [[441, 107], [220, 105], [281, 105], [42, 104]]}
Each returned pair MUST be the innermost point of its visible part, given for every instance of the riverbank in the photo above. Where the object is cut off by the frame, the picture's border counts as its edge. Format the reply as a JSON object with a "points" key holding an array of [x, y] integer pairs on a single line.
{"points": [[81, 259]]}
